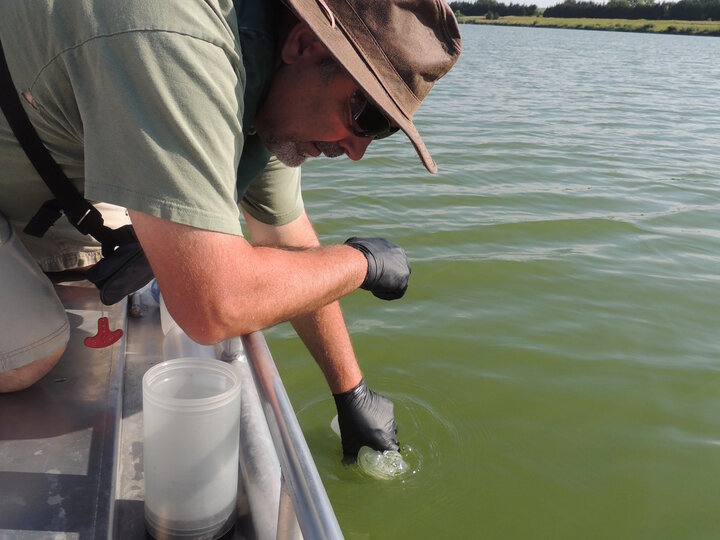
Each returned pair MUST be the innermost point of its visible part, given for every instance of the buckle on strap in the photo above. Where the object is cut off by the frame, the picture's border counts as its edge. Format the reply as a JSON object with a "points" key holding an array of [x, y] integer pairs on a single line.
{"points": [[89, 222]]}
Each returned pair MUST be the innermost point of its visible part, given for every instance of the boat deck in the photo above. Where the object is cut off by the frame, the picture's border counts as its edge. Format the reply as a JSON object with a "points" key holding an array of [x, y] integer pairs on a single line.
{"points": [[58, 438], [71, 445]]}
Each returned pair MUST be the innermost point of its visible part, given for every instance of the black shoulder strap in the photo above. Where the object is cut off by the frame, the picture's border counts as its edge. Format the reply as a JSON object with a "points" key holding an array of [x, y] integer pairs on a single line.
{"points": [[83, 216]]}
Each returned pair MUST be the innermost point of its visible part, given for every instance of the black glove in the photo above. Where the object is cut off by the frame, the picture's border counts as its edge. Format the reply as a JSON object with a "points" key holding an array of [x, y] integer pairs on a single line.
{"points": [[388, 267], [365, 419]]}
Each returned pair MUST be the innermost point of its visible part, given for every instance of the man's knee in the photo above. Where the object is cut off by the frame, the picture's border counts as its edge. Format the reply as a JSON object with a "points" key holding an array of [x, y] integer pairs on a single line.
{"points": [[27, 375], [34, 328]]}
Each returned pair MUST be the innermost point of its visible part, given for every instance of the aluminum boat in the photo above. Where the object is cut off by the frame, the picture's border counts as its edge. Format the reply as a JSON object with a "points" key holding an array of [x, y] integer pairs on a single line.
{"points": [[71, 446]]}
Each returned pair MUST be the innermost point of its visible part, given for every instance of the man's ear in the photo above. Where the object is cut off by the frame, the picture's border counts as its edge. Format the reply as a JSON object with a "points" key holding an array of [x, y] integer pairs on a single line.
{"points": [[302, 43]]}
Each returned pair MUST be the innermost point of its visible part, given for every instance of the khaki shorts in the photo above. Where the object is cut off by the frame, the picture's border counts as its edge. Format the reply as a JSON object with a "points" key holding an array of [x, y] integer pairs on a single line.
{"points": [[33, 322], [63, 247]]}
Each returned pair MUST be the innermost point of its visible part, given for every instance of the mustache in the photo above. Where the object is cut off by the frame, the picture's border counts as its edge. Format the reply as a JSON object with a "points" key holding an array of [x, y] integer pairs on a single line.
{"points": [[330, 149]]}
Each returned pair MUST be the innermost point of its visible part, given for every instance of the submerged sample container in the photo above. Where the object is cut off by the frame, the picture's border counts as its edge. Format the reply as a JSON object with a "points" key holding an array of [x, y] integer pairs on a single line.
{"points": [[191, 410]]}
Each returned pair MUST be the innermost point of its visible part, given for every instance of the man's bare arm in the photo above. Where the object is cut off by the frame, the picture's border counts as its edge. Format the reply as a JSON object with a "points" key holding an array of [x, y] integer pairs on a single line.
{"points": [[365, 417], [323, 331], [217, 285]]}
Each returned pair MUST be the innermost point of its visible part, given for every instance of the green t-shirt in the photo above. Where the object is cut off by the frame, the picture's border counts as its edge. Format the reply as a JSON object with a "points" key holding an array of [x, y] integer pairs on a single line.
{"points": [[142, 104], [269, 190]]}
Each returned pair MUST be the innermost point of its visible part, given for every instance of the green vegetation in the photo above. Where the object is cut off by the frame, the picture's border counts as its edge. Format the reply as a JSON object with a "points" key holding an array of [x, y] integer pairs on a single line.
{"points": [[696, 17], [491, 8], [684, 10], [701, 28]]}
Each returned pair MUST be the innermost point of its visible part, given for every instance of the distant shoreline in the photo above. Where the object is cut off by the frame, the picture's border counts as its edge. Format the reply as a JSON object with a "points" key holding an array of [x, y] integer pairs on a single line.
{"points": [[693, 28]]}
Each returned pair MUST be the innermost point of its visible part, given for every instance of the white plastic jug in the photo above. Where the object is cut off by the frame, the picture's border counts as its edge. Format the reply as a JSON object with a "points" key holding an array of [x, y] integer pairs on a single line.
{"points": [[176, 343]]}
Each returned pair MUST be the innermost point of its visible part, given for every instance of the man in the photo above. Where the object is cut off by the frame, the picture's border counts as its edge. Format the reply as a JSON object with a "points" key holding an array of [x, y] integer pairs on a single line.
{"points": [[174, 110]]}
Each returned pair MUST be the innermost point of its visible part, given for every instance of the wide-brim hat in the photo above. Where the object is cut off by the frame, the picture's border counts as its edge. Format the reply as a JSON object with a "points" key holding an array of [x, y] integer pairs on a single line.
{"points": [[394, 49]]}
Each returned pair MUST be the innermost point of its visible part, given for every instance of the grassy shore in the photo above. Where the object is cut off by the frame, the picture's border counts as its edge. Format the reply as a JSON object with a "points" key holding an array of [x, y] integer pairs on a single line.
{"points": [[697, 28]]}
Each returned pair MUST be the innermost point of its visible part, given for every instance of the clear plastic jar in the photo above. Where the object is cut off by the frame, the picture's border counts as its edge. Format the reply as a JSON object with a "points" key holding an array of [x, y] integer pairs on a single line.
{"points": [[191, 415]]}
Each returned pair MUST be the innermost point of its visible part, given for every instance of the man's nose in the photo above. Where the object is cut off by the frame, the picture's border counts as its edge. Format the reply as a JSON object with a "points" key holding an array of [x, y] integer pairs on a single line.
{"points": [[355, 146]]}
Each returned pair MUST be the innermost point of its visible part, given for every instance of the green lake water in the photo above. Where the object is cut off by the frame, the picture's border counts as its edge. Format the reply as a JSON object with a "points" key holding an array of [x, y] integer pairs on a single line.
{"points": [[555, 364]]}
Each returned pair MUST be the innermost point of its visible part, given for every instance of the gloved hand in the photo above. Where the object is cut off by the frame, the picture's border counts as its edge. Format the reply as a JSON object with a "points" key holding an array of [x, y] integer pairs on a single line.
{"points": [[388, 267], [365, 419]]}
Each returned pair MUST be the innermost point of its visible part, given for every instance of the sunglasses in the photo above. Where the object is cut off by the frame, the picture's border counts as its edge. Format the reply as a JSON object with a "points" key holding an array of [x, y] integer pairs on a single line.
{"points": [[367, 120]]}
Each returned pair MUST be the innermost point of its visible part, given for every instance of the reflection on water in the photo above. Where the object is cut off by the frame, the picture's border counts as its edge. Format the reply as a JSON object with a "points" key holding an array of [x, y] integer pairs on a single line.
{"points": [[555, 363]]}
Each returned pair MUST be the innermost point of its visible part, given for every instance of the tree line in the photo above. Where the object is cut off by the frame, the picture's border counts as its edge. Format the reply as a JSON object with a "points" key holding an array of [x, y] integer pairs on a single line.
{"points": [[685, 10], [490, 7]]}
